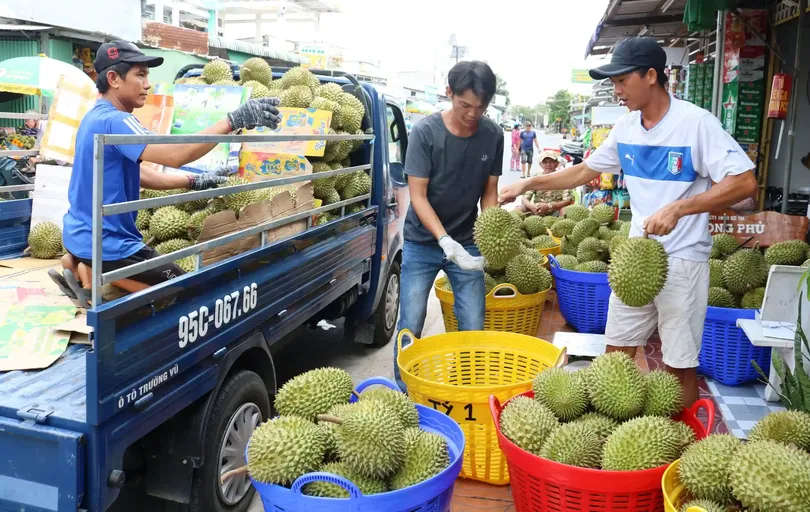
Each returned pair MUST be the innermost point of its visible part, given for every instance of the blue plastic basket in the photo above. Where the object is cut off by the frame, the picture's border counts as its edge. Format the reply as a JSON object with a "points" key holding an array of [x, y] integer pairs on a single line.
{"points": [[726, 351], [433, 495], [583, 298]]}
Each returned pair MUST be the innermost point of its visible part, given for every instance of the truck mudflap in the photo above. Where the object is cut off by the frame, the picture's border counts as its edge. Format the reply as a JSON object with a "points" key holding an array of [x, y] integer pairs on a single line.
{"points": [[41, 467]]}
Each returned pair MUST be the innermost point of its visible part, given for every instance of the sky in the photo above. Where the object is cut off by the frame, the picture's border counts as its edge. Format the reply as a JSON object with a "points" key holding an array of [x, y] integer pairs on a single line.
{"points": [[531, 44]]}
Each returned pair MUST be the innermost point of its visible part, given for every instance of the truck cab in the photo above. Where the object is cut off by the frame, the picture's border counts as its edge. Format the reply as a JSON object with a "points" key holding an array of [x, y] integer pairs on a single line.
{"points": [[177, 376]]}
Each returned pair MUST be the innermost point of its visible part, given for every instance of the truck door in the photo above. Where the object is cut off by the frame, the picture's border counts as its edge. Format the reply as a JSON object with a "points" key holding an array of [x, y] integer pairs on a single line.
{"points": [[398, 198]]}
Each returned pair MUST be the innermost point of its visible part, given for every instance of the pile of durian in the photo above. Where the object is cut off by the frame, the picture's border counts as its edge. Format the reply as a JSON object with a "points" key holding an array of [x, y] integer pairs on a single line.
{"points": [[610, 416], [375, 442], [768, 473], [737, 276], [591, 241]]}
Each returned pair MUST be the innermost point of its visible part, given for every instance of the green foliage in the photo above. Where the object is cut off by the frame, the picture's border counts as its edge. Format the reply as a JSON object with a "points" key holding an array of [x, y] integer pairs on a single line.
{"points": [[558, 107]]}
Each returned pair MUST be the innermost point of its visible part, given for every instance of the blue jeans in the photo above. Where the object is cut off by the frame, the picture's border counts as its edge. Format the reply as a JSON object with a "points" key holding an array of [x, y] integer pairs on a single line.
{"points": [[421, 264]]}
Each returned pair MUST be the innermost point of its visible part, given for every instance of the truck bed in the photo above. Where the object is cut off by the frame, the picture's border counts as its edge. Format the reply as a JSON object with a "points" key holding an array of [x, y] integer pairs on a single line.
{"points": [[61, 386]]}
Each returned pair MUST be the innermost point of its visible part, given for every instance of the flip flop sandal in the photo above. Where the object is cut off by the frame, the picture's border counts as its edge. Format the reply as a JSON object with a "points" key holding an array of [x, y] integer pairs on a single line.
{"points": [[83, 296], [59, 280]]}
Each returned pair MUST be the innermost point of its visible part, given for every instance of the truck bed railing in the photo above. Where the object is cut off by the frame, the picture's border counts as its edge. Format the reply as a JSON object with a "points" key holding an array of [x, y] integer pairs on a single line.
{"points": [[103, 210]]}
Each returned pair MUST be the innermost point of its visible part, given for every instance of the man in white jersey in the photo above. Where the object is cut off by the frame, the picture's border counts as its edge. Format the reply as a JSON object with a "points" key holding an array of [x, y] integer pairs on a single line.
{"points": [[670, 151]]}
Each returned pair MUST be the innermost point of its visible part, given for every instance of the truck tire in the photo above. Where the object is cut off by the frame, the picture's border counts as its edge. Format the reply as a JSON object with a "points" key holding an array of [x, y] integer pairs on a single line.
{"points": [[241, 405], [387, 313]]}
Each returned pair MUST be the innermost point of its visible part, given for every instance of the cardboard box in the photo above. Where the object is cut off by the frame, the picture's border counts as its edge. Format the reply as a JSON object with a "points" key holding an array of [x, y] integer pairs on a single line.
{"points": [[294, 121], [226, 222]]}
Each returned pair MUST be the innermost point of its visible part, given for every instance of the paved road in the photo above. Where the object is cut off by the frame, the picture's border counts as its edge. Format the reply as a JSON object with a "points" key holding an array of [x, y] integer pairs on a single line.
{"points": [[311, 348]]}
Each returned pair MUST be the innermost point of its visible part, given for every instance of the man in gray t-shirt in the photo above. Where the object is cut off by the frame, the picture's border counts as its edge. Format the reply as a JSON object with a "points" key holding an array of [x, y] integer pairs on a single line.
{"points": [[453, 162]]}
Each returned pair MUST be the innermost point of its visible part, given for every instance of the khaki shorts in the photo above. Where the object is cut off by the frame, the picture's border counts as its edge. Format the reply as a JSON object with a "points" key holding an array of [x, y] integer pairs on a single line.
{"points": [[679, 312]]}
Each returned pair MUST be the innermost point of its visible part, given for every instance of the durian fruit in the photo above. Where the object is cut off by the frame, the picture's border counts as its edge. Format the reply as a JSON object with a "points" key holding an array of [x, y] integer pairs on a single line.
{"points": [[187, 263], [527, 423], [721, 298], [543, 242], [330, 91], [147, 193], [534, 254], [314, 392], [371, 440], [705, 467], [297, 77], [193, 206], [601, 424], [283, 449], [664, 394], [396, 401], [145, 236], [638, 271], [527, 275], [319, 103], [350, 117], [497, 237], [745, 270], [256, 69], [216, 70], [576, 212], [168, 222], [605, 233], [567, 246], [595, 267], [786, 427], [324, 489], [642, 443], [568, 262], [45, 240], [615, 242], [489, 283], [625, 228], [197, 220], [716, 273], [142, 220], [297, 96], [687, 435], [549, 221], [534, 226], [195, 81], [616, 386], [561, 391], [591, 249], [239, 200], [723, 244], [329, 429], [426, 455], [706, 505], [789, 252], [563, 227], [584, 229], [603, 213], [574, 444], [172, 245], [359, 184], [616, 225], [258, 89], [753, 299], [227, 81], [770, 476]]}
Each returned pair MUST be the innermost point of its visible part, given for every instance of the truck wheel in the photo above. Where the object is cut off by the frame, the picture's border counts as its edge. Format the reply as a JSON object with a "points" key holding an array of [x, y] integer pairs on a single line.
{"points": [[387, 312], [241, 405]]}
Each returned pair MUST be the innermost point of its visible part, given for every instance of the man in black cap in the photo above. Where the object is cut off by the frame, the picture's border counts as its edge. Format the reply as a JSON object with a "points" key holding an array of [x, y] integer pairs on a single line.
{"points": [[123, 81], [671, 152]]}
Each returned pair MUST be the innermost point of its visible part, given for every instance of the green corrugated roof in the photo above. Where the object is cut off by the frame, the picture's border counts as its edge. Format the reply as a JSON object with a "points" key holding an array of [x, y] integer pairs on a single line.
{"points": [[254, 49]]}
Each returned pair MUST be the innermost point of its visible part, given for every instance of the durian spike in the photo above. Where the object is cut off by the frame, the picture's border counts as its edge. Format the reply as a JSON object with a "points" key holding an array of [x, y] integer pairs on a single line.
{"points": [[330, 419], [234, 472]]}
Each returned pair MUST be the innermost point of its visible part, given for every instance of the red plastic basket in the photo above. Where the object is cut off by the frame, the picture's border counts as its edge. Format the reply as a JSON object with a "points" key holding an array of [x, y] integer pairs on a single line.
{"points": [[540, 485]]}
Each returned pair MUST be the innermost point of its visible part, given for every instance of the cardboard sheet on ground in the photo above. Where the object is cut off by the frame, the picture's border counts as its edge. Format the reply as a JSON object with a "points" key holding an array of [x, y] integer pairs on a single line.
{"points": [[27, 340]]}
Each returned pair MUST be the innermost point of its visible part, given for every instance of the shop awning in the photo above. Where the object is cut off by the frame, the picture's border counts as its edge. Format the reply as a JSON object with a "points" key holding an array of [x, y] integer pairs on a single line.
{"points": [[660, 19]]}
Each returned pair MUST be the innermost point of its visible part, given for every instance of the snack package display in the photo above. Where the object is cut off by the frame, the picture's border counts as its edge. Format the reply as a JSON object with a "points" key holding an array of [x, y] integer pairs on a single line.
{"points": [[294, 121]]}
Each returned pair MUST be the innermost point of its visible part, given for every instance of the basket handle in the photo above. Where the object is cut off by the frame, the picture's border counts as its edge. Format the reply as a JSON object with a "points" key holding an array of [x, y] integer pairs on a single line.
{"points": [[504, 286], [553, 260], [332, 478], [562, 359], [405, 335], [373, 381], [495, 409], [704, 403]]}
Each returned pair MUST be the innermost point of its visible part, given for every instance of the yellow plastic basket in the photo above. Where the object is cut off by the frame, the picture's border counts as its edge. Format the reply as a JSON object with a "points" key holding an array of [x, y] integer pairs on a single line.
{"points": [[515, 312], [675, 494], [457, 372]]}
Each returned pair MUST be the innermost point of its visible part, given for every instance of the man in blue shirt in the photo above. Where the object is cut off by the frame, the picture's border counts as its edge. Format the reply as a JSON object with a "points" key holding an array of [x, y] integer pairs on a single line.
{"points": [[123, 82], [527, 138]]}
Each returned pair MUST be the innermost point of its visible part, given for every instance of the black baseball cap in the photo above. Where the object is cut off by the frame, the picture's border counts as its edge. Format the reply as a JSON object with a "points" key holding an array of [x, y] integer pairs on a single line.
{"points": [[119, 51], [631, 54]]}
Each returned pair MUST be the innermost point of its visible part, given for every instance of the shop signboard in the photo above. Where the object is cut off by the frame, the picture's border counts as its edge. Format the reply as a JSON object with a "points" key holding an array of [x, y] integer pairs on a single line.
{"points": [[764, 228]]}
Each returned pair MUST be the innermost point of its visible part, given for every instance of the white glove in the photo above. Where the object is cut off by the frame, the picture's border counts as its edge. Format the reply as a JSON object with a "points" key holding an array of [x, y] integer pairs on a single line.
{"points": [[456, 253]]}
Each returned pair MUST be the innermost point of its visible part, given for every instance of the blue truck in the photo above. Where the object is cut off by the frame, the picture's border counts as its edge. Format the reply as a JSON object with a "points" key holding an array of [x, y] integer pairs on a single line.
{"points": [[165, 398]]}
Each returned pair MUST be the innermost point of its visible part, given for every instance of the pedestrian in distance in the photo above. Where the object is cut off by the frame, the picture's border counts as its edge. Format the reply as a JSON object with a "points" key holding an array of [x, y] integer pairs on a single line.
{"points": [[123, 82], [528, 141], [514, 164], [670, 151], [453, 163]]}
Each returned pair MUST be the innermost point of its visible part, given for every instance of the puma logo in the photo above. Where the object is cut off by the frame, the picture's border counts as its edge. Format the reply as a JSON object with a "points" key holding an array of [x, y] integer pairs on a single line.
{"points": [[631, 158]]}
